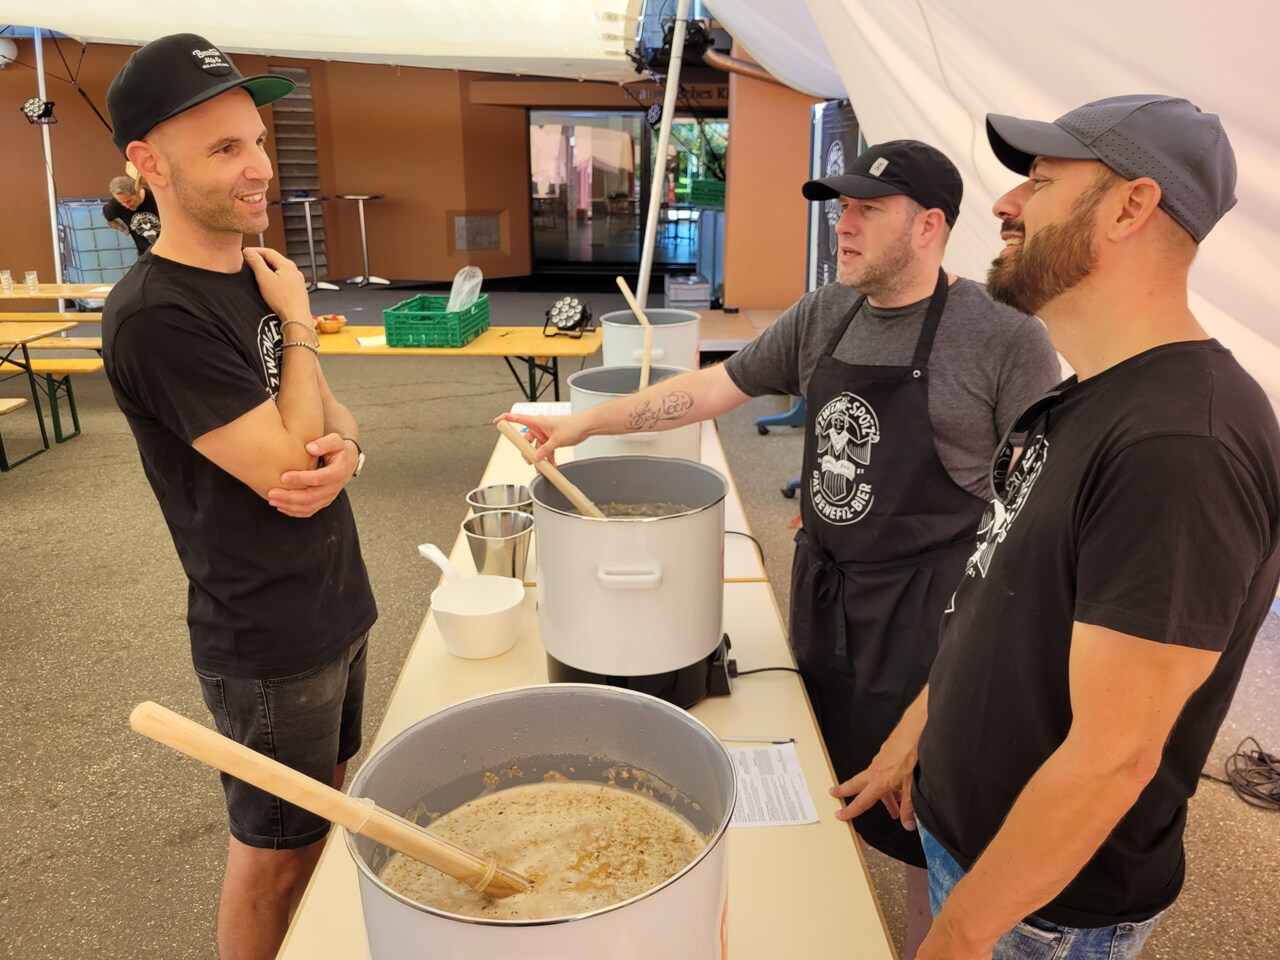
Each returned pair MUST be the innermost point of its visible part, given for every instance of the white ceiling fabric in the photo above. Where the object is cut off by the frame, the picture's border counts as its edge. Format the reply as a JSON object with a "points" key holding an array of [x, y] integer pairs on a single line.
{"points": [[932, 69], [578, 39]]}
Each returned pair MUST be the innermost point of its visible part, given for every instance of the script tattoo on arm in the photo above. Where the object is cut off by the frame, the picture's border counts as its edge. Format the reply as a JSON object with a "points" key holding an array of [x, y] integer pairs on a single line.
{"points": [[647, 415]]}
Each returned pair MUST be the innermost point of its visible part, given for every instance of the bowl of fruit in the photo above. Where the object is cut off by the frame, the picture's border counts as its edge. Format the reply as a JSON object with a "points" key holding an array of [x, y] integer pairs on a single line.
{"points": [[330, 323]]}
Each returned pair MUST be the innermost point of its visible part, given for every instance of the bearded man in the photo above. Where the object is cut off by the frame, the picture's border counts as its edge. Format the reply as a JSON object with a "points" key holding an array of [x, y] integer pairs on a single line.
{"points": [[925, 372], [1091, 652]]}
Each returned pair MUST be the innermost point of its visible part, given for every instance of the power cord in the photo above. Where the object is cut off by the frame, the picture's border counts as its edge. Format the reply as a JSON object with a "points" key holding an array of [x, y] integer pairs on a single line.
{"points": [[740, 533], [735, 672], [1253, 774]]}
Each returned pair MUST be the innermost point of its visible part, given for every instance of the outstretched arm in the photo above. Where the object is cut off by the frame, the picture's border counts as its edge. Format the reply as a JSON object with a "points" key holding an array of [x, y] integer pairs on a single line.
{"points": [[697, 395]]}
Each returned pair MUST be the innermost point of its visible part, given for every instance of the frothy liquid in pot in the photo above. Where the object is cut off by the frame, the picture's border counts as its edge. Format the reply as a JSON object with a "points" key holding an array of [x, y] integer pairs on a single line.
{"points": [[663, 509], [584, 845]]}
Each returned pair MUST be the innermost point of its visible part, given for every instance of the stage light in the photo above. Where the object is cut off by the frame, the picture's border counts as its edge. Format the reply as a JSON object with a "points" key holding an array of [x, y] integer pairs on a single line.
{"points": [[39, 111]]}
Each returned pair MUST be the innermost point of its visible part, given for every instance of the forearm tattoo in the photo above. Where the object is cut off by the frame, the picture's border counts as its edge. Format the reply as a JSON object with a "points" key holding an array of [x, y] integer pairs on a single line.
{"points": [[648, 414]]}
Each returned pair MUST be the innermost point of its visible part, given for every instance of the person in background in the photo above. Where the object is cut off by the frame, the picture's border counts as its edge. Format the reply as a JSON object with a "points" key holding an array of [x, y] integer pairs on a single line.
{"points": [[1128, 559], [212, 355], [132, 210], [909, 375]]}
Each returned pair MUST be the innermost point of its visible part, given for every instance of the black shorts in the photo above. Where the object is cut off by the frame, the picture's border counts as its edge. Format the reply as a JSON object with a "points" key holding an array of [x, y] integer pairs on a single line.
{"points": [[310, 722]]}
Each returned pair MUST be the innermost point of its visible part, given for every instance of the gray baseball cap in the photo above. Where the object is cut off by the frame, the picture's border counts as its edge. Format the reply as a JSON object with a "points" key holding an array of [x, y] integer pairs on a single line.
{"points": [[1139, 135]]}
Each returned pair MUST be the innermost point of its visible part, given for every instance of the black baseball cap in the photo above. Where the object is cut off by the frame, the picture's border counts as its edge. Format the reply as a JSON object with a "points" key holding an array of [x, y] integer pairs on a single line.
{"points": [[899, 167], [1165, 138], [171, 75]]}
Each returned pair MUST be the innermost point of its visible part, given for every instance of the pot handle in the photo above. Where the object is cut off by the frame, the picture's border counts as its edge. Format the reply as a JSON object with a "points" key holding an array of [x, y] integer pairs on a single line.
{"points": [[629, 578], [656, 354]]}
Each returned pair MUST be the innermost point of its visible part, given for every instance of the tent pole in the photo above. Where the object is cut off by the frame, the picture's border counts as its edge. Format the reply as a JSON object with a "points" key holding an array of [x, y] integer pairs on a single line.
{"points": [[48, 158], [660, 159]]}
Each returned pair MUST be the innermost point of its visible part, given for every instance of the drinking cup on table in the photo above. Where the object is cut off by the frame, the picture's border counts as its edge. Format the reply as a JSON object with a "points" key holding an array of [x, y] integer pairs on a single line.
{"points": [[33, 281], [6, 281]]}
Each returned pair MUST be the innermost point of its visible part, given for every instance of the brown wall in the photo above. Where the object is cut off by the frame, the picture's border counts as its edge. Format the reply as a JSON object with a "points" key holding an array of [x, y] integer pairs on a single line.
{"points": [[437, 143], [766, 219]]}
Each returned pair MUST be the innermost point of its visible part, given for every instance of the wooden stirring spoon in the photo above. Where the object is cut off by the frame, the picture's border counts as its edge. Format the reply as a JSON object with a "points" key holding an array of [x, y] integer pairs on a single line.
{"points": [[550, 471], [358, 815], [648, 330]]}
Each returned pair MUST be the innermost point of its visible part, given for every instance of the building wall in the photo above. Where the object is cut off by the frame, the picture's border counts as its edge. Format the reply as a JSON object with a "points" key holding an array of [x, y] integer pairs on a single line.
{"points": [[766, 218], [438, 144]]}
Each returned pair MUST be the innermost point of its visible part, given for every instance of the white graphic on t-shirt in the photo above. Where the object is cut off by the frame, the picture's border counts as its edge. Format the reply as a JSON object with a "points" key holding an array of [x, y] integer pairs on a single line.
{"points": [[271, 351], [846, 428], [145, 224], [1000, 515]]}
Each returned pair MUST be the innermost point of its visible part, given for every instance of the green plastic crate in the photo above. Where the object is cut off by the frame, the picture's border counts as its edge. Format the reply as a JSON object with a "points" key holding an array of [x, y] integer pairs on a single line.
{"points": [[707, 193], [422, 321]]}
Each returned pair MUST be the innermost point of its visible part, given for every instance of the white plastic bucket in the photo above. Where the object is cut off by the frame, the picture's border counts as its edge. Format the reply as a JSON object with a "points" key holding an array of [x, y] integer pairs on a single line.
{"points": [[676, 336], [597, 385]]}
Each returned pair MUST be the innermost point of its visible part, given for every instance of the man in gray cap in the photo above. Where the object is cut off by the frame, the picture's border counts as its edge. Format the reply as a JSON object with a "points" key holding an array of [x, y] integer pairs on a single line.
{"points": [[211, 353], [1123, 570], [909, 374]]}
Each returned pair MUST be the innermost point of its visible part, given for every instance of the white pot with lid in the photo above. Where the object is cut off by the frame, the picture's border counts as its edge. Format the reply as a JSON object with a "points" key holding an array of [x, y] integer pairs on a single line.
{"points": [[597, 385], [572, 730], [629, 600], [676, 337]]}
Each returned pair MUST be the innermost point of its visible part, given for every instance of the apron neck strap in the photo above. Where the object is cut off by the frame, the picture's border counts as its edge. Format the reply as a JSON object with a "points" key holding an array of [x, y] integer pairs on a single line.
{"points": [[932, 317]]}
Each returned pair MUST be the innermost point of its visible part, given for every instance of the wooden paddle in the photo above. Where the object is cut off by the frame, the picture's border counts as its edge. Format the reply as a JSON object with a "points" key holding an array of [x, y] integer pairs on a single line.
{"points": [[549, 470], [648, 331], [360, 816]]}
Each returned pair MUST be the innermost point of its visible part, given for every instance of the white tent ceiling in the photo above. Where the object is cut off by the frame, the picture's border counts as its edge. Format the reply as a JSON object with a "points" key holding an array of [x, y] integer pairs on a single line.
{"points": [[932, 69], [578, 39]]}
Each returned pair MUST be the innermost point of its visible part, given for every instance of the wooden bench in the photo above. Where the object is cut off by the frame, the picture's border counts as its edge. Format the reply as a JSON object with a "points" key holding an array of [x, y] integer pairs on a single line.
{"points": [[42, 316], [67, 343], [7, 406], [57, 383]]}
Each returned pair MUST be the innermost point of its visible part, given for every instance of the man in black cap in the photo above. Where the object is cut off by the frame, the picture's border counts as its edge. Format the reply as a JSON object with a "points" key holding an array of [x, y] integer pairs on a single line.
{"points": [[212, 355], [1126, 564], [909, 376]]}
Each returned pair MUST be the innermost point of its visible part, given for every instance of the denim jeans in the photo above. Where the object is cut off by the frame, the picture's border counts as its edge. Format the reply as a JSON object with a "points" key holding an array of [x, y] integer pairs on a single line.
{"points": [[1034, 938]]}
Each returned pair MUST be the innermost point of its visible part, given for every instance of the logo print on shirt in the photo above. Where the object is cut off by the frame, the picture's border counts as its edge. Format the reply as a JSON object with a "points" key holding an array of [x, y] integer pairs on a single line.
{"points": [[271, 351], [846, 428], [1000, 516], [145, 224]]}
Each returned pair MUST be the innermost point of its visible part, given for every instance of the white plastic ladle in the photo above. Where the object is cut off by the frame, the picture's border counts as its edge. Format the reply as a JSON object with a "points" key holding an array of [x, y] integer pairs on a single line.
{"points": [[433, 553], [478, 616]]}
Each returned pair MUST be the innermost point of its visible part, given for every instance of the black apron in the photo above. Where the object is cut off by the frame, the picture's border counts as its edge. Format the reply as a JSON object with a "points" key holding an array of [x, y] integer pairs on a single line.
{"points": [[884, 543]]}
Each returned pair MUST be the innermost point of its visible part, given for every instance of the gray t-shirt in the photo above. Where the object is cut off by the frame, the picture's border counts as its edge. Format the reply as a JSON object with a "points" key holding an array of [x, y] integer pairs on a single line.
{"points": [[988, 363]]}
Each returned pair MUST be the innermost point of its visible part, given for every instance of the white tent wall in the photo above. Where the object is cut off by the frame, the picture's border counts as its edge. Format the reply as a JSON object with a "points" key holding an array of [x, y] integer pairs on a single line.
{"points": [[932, 70]]}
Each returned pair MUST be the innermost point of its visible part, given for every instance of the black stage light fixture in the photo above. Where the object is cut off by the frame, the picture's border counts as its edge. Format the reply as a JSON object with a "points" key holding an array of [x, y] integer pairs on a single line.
{"points": [[569, 316], [39, 111]]}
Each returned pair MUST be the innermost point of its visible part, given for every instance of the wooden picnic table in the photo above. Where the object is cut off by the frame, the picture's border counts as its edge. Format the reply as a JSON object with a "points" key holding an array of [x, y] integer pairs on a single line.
{"points": [[57, 291], [540, 354], [14, 338]]}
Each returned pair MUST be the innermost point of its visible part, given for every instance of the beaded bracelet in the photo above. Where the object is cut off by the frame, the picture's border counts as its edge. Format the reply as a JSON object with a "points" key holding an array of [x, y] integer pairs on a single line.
{"points": [[302, 343], [309, 326]]}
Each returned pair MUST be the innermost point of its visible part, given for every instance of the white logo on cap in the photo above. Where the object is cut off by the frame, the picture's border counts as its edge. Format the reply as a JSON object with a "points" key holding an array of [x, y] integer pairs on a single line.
{"points": [[877, 168], [210, 58]]}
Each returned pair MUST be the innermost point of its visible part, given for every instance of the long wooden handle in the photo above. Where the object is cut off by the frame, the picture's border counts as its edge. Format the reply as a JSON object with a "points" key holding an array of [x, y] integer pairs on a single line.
{"points": [[359, 816], [648, 331], [549, 470]]}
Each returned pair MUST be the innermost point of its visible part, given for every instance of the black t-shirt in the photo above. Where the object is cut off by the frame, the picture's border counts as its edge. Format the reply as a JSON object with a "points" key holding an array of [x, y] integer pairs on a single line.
{"points": [[188, 351], [143, 223], [1147, 502]]}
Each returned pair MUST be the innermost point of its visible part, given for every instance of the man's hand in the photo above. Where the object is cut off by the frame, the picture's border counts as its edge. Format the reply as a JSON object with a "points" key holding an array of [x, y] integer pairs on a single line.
{"points": [[944, 943], [888, 779], [281, 283], [549, 433], [320, 486]]}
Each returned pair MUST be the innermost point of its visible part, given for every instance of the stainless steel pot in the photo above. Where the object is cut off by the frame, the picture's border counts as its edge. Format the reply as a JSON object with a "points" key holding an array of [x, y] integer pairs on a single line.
{"points": [[578, 731]]}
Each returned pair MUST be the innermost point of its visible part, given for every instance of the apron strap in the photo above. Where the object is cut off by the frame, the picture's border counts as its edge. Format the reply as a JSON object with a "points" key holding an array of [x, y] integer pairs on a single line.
{"points": [[932, 317]]}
